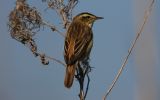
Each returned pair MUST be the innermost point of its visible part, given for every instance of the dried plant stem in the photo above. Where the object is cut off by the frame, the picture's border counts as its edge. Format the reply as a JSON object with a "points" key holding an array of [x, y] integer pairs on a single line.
{"points": [[56, 60], [83, 95], [83, 70], [54, 28], [147, 13], [43, 57], [88, 81]]}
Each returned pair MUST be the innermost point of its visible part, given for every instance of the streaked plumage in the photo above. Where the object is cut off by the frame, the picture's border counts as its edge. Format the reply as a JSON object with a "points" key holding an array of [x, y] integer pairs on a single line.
{"points": [[78, 43]]}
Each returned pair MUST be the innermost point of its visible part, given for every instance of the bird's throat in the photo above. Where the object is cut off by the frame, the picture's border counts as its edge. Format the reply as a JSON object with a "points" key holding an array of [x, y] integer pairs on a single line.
{"points": [[90, 25]]}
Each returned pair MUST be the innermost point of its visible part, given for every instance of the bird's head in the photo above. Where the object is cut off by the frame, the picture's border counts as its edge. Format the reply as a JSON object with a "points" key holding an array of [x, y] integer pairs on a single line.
{"points": [[86, 18]]}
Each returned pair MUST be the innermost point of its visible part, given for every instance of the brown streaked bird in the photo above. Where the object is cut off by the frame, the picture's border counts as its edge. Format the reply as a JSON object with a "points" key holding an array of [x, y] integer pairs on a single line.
{"points": [[78, 43]]}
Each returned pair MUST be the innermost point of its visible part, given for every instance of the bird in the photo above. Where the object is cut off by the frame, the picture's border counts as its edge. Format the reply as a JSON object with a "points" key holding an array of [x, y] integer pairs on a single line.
{"points": [[78, 43]]}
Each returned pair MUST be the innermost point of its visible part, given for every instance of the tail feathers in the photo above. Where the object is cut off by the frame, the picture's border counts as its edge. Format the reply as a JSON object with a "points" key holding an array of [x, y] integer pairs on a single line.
{"points": [[69, 77]]}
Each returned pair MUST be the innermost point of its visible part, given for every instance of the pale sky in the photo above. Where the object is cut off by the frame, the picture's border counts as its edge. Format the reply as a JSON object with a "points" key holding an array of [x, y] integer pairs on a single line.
{"points": [[23, 77]]}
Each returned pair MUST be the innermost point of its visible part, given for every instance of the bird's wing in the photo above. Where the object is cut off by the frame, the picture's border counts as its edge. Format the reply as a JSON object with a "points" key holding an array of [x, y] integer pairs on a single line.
{"points": [[76, 45]]}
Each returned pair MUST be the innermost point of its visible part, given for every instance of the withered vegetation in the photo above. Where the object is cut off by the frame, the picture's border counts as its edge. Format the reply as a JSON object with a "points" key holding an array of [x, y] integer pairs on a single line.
{"points": [[24, 23]]}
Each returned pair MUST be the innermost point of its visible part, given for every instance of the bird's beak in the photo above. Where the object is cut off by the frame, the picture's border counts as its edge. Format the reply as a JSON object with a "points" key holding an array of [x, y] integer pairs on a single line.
{"points": [[99, 18]]}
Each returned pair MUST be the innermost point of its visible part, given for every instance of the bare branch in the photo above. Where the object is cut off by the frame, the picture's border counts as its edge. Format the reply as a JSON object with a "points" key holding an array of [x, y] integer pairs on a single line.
{"points": [[80, 77], [83, 70], [146, 15], [44, 59], [86, 92], [56, 60], [54, 28]]}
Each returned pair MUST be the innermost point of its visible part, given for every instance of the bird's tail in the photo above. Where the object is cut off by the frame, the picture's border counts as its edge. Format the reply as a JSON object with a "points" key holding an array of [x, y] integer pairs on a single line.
{"points": [[69, 77]]}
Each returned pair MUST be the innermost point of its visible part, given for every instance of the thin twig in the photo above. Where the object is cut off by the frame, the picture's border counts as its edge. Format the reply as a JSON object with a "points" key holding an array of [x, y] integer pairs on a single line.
{"points": [[80, 78], [56, 60], [86, 92], [33, 48], [53, 28], [147, 13], [81, 95]]}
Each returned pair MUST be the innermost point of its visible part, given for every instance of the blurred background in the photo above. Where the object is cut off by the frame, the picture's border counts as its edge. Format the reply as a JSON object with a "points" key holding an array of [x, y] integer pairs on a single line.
{"points": [[23, 77]]}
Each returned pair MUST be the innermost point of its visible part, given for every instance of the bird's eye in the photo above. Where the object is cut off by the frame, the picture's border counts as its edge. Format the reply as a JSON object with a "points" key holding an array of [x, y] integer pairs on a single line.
{"points": [[86, 17]]}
